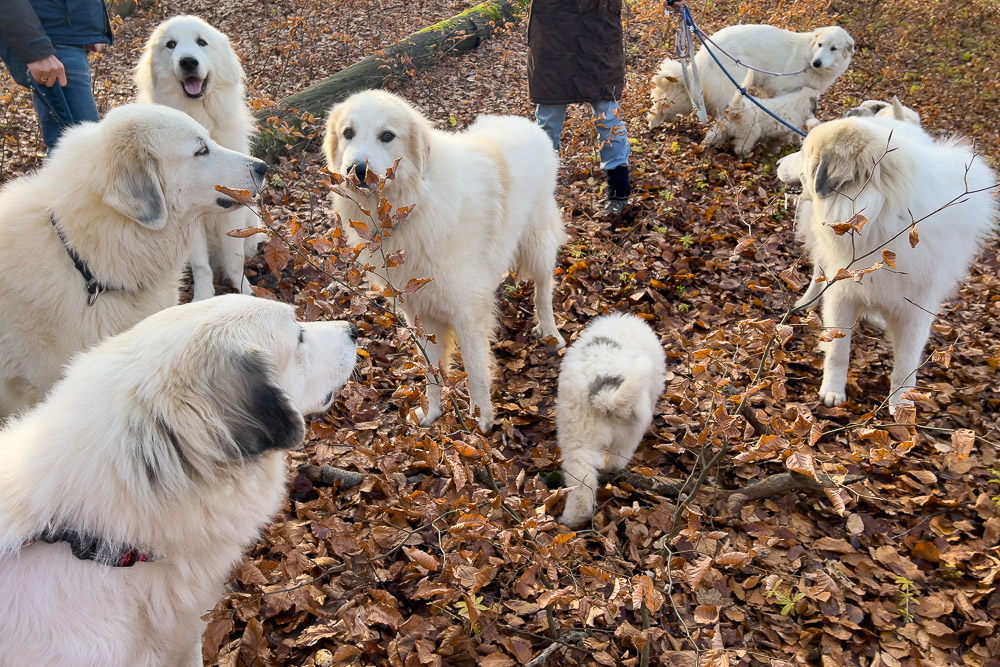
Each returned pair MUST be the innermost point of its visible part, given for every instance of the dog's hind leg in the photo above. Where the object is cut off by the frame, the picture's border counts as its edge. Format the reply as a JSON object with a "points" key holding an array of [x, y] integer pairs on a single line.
{"points": [[202, 277], [908, 334], [439, 354], [537, 258], [839, 312]]}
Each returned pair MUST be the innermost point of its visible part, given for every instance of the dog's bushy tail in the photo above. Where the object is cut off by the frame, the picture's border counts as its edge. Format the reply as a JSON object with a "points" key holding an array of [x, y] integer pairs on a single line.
{"points": [[617, 395]]}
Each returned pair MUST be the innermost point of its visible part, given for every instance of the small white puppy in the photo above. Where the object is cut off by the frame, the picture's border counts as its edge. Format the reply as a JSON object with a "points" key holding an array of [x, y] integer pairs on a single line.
{"points": [[189, 65], [130, 493], [609, 383], [743, 124], [888, 171], [817, 57]]}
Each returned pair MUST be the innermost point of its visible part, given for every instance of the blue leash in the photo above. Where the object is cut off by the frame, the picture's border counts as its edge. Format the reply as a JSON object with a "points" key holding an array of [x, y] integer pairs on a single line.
{"points": [[688, 21]]}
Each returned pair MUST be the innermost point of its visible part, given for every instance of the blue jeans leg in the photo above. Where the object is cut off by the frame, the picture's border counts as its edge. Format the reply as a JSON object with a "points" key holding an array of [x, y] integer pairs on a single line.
{"points": [[550, 117], [611, 134], [72, 103]]}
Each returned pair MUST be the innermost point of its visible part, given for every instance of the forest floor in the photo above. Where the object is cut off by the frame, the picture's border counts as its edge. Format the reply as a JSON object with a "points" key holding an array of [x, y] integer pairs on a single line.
{"points": [[448, 553]]}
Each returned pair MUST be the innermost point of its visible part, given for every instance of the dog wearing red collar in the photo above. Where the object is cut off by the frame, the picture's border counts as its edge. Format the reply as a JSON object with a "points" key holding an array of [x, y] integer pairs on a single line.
{"points": [[131, 492]]}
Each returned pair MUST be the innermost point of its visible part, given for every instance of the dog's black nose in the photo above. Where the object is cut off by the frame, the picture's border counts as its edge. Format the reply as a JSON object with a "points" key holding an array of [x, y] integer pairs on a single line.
{"points": [[352, 331], [360, 170], [817, 63], [260, 167], [189, 64]]}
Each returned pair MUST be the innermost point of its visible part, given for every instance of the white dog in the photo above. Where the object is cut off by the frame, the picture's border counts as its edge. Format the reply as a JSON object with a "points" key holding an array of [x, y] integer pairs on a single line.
{"points": [[915, 177], [127, 497], [803, 208], [817, 57], [743, 124], [879, 109], [484, 203], [96, 240], [189, 65], [610, 380]]}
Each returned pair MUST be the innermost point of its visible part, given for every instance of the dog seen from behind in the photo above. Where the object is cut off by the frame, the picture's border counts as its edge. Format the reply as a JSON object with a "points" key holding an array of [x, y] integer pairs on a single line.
{"points": [[610, 380], [129, 494]]}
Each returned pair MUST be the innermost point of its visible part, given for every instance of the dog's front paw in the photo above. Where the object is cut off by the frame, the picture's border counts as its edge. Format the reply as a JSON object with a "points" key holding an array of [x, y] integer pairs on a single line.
{"points": [[541, 333], [579, 510], [832, 397], [429, 418], [485, 421]]}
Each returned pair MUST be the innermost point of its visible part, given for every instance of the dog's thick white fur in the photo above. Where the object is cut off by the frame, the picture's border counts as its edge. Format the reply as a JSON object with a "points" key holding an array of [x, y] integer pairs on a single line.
{"points": [[126, 193], [803, 210], [610, 380], [484, 203], [743, 124], [823, 55], [189, 65], [917, 176], [892, 109], [168, 438]]}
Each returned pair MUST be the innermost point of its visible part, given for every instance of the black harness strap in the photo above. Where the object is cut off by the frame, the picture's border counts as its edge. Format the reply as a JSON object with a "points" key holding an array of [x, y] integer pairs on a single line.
{"points": [[90, 547], [94, 286]]}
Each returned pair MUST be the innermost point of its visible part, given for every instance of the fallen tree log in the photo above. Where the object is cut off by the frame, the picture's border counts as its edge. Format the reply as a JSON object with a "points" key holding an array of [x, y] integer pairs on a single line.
{"points": [[282, 126]]}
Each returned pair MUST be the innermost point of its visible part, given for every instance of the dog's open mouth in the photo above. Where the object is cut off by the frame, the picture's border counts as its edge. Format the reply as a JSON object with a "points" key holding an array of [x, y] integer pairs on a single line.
{"points": [[194, 87]]}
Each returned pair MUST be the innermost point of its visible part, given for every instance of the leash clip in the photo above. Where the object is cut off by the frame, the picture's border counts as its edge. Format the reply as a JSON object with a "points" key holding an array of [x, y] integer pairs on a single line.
{"points": [[94, 290]]}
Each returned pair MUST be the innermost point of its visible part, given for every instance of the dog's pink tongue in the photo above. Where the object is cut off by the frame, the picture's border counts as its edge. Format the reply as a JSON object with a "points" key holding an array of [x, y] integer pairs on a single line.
{"points": [[192, 85]]}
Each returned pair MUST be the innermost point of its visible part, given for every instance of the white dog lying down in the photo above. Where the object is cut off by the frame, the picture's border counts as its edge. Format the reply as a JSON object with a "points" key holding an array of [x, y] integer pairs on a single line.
{"points": [[803, 212], [96, 240], [484, 203], [189, 65], [919, 175], [163, 444], [610, 380], [822, 55], [879, 109], [743, 124]]}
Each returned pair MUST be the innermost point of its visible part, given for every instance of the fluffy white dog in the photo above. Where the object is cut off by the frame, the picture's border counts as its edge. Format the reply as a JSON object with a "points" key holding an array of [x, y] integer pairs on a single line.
{"points": [[803, 208], [743, 124], [96, 240], [189, 65], [610, 380], [484, 203], [917, 176], [818, 57], [127, 497]]}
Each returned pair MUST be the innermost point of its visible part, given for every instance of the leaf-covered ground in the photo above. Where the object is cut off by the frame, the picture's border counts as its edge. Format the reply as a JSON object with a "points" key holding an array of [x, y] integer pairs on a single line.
{"points": [[447, 552]]}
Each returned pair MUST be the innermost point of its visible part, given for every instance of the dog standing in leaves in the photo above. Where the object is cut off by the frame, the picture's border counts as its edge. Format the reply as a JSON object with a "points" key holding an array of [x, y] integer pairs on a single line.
{"points": [[609, 383]]}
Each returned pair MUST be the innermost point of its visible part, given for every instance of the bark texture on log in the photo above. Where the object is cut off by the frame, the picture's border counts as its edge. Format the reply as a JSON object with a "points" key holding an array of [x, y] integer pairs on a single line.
{"points": [[414, 53]]}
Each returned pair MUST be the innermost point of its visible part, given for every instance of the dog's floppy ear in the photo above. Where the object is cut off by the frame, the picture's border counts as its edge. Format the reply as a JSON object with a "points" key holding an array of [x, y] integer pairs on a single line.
{"points": [[834, 171], [134, 187], [258, 414], [418, 143], [332, 137]]}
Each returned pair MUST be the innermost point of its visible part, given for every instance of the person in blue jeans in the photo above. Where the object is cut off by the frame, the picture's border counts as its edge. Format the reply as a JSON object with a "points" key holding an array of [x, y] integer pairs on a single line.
{"points": [[45, 45], [576, 55]]}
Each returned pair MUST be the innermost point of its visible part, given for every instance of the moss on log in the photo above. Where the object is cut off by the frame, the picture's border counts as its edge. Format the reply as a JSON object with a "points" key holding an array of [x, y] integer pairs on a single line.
{"points": [[414, 53]]}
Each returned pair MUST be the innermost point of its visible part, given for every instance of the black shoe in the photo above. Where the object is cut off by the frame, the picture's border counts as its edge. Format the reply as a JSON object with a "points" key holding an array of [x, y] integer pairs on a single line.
{"points": [[615, 206]]}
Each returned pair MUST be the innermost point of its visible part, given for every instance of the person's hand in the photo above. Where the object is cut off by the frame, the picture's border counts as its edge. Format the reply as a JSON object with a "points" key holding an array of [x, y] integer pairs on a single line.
{"points": [[48, 71], [673, 5], [95, 48]]}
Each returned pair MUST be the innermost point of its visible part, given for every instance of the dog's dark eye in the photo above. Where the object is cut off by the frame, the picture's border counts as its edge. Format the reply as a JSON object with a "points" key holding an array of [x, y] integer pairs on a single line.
{"points": [[302, 335], [348, 132], [171, 44], [386, 137], [832, 49], [820, 44], [201, 152], [202, 42]]}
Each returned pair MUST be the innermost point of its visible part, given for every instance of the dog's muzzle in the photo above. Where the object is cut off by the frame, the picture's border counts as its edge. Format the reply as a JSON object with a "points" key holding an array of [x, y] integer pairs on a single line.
{"points": [[360, 170], [817, 63]]}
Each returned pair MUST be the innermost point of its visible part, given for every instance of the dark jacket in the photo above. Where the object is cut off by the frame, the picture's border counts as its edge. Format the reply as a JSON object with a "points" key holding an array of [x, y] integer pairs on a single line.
{"points": [[575, 51], [30, 28]]}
